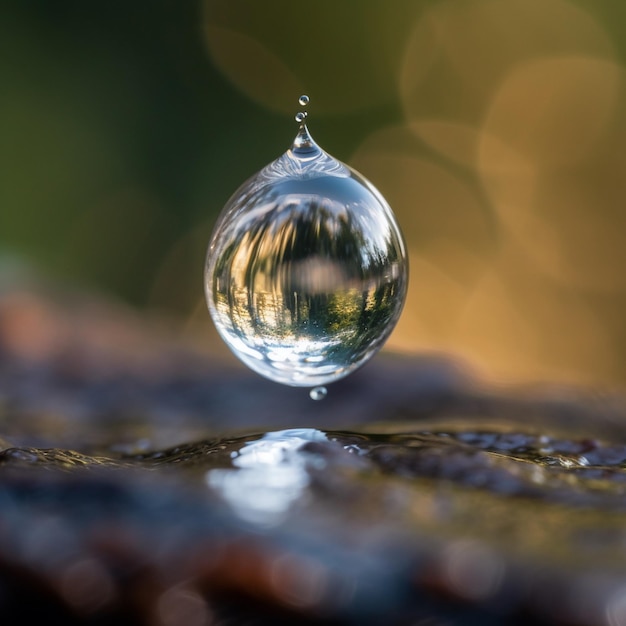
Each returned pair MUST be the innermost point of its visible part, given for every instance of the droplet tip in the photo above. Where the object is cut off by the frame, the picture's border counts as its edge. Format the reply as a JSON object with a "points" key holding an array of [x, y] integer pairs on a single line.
{"points": [[318, 393]]}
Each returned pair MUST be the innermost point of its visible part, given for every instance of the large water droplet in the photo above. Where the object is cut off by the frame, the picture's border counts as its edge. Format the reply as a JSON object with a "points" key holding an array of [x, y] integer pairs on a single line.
{"points": [[306, 271], [303, 100], [301, 116]]}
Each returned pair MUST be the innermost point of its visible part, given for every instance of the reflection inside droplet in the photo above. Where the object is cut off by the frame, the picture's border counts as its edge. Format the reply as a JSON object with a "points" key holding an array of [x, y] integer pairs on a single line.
{"points": [[271, 475], [306, 271]]}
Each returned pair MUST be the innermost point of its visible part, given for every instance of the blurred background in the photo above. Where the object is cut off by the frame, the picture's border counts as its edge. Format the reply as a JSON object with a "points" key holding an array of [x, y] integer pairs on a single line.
{"points": [[495, 129]]}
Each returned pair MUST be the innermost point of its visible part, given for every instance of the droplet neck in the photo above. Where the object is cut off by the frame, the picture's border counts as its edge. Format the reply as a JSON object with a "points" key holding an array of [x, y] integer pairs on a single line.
{"points": [[304, 146]]}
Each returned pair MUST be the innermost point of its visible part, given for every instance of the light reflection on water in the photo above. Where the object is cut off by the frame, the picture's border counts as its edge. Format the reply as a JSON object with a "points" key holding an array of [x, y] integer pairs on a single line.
{"points": [[270, 475]]}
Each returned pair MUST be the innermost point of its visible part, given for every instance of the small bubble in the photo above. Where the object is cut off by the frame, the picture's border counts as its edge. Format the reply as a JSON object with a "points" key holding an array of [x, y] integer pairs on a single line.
{"points": [[318, 393], [303, 100], [300, 117]]}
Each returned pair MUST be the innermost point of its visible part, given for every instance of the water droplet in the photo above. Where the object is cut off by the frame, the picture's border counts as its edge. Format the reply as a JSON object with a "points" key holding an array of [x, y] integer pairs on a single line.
{"points": [[303, 100], [306, 270], [301, 116], [318, 393]]}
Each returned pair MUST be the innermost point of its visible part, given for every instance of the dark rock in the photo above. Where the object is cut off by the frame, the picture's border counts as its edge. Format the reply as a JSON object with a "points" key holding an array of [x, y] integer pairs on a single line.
{"points": [[159, 489]]}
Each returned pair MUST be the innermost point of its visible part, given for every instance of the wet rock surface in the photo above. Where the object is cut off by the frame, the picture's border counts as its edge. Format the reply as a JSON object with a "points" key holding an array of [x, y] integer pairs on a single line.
{"points": [[143, 481]]}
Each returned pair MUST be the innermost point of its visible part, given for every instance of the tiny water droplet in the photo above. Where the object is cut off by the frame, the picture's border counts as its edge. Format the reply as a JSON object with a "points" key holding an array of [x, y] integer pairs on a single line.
{"points": [[303, 100], [318, 393], [306, 271], [301, 116]]}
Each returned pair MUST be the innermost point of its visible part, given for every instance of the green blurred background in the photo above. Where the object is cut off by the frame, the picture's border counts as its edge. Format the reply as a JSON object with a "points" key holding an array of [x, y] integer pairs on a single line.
{"points": [[495, 128]]}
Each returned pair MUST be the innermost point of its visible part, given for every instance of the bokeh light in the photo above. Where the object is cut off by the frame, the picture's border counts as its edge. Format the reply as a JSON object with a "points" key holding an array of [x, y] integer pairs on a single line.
{"points": [[495, 130]]}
